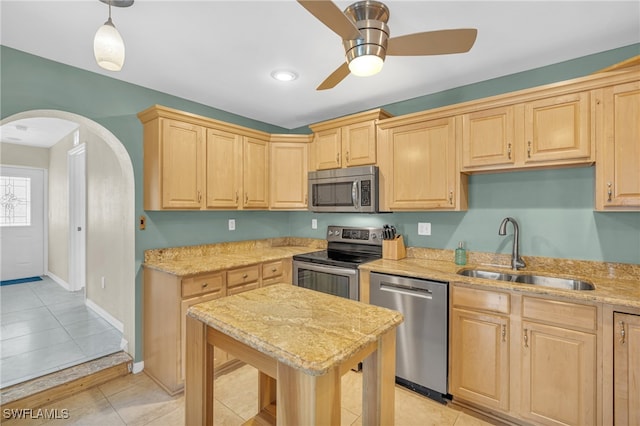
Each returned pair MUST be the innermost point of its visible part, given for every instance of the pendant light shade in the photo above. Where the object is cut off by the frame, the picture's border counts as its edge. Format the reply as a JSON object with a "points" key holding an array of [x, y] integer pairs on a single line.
{"points": [[108, 47]]}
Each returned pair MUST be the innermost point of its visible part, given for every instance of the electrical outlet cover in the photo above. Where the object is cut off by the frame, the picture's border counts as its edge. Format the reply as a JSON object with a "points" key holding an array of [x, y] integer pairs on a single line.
{"points": [[424, 228], [232, 224]]}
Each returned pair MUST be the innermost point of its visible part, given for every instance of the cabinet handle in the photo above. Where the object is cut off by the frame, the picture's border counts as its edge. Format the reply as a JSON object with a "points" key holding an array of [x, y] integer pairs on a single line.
{"points": [[509, 151], [622, 333], [451, 197], [609, 191], [526, 338], [529, 149], [205, 285], [246, 198], [338, 158], [347, 158], [504, 333], [306, 201], [244, 277], [274, 269], [236, 197], [199, 196]]}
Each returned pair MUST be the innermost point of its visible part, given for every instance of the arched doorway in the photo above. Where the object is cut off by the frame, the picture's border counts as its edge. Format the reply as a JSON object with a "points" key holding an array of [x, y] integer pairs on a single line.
{"points": [[110, 222]]}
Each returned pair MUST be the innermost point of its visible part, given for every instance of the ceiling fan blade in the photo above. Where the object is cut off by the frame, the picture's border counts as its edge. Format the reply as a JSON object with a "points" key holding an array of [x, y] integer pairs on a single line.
{"points": [[336, 77], [329, 14], [439, 42]]}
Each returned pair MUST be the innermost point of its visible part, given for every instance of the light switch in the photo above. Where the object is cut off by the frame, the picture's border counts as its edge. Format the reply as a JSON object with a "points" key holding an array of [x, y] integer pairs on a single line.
{"points": [[424, 228], [232, 224]]}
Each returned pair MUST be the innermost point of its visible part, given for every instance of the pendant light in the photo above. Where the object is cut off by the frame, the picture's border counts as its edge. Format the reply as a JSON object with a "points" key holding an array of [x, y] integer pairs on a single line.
{"points": [[108, 46]]}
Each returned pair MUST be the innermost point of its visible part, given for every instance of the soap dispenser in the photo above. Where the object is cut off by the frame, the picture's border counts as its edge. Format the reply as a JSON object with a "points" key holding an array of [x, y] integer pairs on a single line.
{"points": [[461, 254]]}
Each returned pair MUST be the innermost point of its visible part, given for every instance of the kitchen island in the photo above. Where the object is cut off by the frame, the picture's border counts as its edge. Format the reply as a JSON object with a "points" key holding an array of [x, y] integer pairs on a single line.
{"points": [[302, 342]]}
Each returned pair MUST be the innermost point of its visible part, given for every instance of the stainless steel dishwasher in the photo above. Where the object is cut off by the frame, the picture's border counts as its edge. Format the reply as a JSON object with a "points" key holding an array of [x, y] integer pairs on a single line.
{"points": [[421, 340]]}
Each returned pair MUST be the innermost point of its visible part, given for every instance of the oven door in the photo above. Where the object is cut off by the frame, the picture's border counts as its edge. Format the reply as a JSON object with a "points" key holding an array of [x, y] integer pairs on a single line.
{"points": [[329, 279]]}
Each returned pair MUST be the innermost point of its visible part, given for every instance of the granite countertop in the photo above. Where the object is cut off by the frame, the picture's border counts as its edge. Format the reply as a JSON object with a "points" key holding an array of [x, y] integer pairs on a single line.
{"points": [[616, 284], [305, 329]]}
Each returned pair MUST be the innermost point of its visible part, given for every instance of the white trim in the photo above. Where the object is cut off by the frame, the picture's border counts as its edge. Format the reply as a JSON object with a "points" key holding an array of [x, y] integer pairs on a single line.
{"points": [[59, 281], [137, 367], [105, 315]]}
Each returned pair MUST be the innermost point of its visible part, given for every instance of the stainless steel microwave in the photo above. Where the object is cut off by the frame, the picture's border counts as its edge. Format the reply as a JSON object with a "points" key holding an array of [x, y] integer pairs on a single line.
{"points": [[350, 190]]}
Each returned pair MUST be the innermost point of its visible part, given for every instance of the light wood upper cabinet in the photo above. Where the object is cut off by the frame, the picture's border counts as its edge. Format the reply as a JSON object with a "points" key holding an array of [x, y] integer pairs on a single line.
{"points": [[418, 166], [173, 168], [347, 141], [288, 172], [224, 169], [558, 129], [488, 138], [626, 369], [255, 181], [618, 147]]}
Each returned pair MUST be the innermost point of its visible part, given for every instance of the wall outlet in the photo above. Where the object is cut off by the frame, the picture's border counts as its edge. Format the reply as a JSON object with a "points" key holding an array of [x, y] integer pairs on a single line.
{"points": [[232, 224], [424, 228], [314, 223], [102, 282]]}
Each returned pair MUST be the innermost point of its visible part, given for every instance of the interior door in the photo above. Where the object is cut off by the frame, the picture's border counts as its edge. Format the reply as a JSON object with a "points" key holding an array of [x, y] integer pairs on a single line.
{"points": [[21, 222]]}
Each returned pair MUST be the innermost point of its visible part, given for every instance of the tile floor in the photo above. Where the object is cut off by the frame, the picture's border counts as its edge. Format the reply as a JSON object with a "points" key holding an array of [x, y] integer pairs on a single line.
{"points": [[45, 328], [137, 400]]}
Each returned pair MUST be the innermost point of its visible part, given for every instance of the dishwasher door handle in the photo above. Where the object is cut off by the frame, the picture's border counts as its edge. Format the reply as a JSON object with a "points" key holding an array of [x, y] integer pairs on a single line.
{"points": [[406, 290]]}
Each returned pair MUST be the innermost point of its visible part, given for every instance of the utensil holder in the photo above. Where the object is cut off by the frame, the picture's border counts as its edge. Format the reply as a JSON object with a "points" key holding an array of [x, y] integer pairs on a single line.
{"points": [[394, 249]]}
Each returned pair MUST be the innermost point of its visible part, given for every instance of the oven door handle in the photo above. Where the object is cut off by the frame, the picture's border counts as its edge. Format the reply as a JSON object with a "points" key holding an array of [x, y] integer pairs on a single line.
{"points": [[335, 270], [354, 194]]}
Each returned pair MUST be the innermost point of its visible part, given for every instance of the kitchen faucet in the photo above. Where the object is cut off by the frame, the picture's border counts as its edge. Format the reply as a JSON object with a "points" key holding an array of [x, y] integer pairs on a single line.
{"points": [[516, 260]]}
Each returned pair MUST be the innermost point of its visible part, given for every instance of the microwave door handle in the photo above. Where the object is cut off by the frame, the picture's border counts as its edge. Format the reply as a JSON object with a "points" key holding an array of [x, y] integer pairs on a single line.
{"points": [[354, 194]]}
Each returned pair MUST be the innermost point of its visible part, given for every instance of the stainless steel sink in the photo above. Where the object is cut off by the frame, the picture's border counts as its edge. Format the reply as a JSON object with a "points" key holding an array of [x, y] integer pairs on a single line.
{"points": [[541, 280]]}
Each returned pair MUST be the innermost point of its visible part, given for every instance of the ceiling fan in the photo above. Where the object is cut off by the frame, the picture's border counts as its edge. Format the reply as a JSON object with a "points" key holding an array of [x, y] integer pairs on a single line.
{"points": [[365, 36]]}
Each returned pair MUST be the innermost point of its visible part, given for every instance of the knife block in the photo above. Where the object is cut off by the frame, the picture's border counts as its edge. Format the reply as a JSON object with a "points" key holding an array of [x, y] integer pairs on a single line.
{"points": [[394, 249]]}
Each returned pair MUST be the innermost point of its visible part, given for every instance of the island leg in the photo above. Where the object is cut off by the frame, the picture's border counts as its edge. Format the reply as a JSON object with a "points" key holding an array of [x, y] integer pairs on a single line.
{"points": [[198, 384], [307, 400], [378, 382]]}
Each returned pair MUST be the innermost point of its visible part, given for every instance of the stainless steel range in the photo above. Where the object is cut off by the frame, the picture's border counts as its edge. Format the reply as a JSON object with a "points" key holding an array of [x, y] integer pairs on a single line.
{"points": [[335, 270]]}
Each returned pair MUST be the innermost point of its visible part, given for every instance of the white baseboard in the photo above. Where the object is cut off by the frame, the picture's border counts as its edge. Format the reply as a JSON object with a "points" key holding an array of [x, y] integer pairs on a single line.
{"points": [[105, 315], [137, 367], [59, 281]]}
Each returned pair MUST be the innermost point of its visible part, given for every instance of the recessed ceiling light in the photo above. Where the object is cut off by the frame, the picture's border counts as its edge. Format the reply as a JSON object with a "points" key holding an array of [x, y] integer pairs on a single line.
{"points": [[284, 75]]}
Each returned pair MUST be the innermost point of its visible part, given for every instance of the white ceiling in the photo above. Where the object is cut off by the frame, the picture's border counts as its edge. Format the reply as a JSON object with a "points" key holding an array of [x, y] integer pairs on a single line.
{"points": [[221, 53]]}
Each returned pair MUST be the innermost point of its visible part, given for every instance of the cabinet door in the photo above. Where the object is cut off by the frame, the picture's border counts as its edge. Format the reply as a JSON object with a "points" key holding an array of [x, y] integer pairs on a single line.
{"points": [[618, 162], [182, 169], [480, 358], [255, 172], [359, 144], [488, 138], [288, 170], [327, 145], [626, 369], [558, 375], [224, 169], [220, 356], [558, 129], [423, 166]]}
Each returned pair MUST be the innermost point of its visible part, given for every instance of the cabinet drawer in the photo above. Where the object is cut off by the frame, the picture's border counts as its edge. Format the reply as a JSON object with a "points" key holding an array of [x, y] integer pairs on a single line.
{"points": [[242, 288], [272, 269], [485, 300], [243, 276], [565, 314], [202, 284]]}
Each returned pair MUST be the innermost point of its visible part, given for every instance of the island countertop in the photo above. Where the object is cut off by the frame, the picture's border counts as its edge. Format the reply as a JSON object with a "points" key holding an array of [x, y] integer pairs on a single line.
{"points": [[305, 329]]}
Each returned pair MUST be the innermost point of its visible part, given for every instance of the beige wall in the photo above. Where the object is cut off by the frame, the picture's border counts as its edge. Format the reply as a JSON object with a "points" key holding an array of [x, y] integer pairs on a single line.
{"points": [[59, 209], [26, 156]]}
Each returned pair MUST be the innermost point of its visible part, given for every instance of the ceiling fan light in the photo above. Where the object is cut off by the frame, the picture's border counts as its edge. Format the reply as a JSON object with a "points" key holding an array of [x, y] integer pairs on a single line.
{"points": [[366, 65], [108, 47]]}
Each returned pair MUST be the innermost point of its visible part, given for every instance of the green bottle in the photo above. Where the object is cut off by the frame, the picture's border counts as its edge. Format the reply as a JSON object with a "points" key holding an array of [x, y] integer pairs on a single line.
{"points": [[461, 254]]}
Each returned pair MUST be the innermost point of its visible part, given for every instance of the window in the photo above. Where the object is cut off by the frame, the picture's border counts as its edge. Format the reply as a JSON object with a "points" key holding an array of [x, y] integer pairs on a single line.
{"points": [[15, 201]]}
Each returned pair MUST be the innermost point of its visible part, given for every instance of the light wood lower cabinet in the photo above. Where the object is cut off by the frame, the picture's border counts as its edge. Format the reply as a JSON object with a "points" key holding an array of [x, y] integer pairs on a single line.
{"points": [[526, 357], [167, 298], [626, 369]]}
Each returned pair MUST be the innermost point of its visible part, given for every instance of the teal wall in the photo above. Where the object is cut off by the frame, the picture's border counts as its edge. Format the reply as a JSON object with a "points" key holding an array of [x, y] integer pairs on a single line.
{"points": [[554, 208]]}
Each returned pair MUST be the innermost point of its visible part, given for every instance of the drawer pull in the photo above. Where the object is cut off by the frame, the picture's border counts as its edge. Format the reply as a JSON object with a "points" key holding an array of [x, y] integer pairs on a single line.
{"points": [[622, 333], [274, 269], [205, 285], [526, 338], [244, 276]]}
